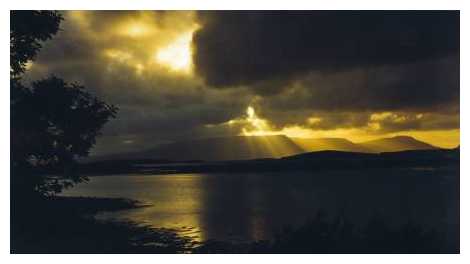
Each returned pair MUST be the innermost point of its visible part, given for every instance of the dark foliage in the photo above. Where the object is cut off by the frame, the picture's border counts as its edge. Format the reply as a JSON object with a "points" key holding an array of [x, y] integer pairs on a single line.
{"points": [[338, 235], [66, 225], [51, 232], [27, 30], [52, 122]]}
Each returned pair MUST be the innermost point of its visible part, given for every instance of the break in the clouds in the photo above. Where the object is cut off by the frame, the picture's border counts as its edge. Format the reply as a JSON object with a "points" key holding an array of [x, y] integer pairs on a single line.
{"points": [[185, 74]]}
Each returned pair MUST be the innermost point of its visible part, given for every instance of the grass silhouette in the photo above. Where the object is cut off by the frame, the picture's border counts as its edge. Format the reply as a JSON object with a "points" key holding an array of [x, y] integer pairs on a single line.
{"points": [[67, 225]]}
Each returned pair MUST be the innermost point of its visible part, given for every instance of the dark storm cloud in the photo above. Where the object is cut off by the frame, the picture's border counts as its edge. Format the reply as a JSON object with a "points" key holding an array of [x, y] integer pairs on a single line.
{"points": [[412, 121], [373, 122], [154, 104], [340, 67], [314, 70], [245, 47], [431, 85], [385, 122]]}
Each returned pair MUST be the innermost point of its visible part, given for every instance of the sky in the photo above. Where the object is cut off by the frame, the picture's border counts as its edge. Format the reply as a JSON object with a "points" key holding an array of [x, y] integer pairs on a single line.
{"points": [[179, 75]]}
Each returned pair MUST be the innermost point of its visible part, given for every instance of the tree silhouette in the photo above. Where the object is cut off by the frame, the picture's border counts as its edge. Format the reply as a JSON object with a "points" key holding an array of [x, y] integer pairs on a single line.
{"points": [[27, 30], [52, 122]]}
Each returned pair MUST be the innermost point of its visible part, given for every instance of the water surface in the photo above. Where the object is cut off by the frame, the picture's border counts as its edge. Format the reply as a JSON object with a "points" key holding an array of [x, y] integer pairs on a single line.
{"points": [[235, 206]]}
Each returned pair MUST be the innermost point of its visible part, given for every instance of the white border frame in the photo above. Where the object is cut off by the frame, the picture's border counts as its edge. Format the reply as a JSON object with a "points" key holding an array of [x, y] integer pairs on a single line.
{"points": [[215, 5]]}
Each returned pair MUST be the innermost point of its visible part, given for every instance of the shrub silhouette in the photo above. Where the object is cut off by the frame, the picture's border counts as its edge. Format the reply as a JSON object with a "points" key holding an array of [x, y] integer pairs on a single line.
{"points": [[28, 29], [323, 235], [52, 122]]}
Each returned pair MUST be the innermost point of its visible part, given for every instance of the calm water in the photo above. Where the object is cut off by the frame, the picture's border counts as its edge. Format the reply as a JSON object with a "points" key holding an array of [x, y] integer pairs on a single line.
{"points": [[254, 206]]}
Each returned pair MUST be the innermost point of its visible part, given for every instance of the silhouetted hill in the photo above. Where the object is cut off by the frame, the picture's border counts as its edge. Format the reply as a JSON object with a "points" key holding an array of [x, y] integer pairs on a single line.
{"points": [[261, 147], [222, 148], [320, 144], [393, 144], [411, 155], [312, 161], [330, 155]]}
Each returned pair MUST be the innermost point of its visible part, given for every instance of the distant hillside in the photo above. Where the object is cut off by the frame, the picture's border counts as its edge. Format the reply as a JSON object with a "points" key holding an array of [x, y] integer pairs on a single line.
{"points": [[222, 148], [259, 147], [311, 161], [393, 144], [320, 144]]}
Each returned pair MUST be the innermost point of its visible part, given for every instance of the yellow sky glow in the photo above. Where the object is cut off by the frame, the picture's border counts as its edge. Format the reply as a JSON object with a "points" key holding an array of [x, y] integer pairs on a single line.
{"points": [[256, 126], [148, 47], [137, 29], [177, 56], [159, 47]]}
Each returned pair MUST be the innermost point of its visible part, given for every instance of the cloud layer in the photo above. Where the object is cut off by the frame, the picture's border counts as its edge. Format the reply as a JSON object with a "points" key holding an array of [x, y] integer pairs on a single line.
{"points": [[375, 72], [243, 47]]}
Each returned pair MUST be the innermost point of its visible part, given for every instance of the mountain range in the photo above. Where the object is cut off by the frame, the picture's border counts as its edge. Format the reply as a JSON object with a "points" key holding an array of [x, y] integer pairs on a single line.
{"points": [[259, 147]]}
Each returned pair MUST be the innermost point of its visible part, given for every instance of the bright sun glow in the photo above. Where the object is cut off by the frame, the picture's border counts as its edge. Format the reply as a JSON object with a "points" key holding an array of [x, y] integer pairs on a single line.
{"points": [[118, 55], [177, 56], [257, 126], [136, 29], [251, 124]]}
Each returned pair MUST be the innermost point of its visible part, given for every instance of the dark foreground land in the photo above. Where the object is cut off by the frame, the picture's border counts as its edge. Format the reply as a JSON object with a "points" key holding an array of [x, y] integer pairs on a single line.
{"points": [[313, 161], [67, 225]]}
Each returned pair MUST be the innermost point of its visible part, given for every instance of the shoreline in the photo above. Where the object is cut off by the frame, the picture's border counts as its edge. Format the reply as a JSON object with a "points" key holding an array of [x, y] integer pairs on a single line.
{"points": [[68, 230]]}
